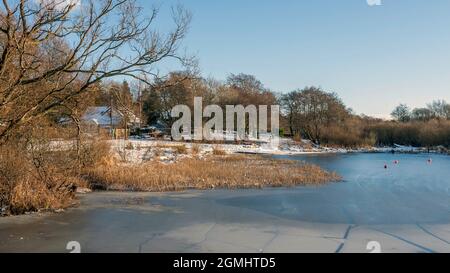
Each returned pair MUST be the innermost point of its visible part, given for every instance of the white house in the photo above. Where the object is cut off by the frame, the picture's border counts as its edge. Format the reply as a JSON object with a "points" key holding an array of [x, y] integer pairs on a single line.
{"points": [[102, 117]]}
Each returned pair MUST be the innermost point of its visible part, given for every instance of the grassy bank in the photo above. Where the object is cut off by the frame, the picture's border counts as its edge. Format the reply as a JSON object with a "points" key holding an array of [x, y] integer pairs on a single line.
{"points": [[228, 172], [45, 177], [38, 175]]}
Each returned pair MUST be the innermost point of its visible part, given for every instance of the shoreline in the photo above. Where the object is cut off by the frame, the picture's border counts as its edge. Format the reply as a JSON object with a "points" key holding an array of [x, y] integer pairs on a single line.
{"points": [[287, 147], [168, 158], [200, 172], [192, 172], [135, 148]]}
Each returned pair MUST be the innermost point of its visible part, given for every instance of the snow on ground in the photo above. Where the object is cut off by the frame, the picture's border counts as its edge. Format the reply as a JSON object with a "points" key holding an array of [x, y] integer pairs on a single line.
{"points": [[139, 150], [2, 210], [136, 151]]}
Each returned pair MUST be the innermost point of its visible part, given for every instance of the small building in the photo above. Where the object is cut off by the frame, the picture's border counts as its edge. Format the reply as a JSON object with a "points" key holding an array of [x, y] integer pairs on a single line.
{"points": [[116, 122]]}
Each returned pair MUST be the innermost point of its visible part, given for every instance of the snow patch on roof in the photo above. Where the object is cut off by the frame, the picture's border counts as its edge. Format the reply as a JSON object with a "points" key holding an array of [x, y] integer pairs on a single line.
{"points": [[102, 116]]}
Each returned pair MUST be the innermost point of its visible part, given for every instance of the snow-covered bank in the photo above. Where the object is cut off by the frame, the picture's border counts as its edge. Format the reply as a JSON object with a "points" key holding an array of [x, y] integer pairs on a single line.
{"points": [[142, 150], [138, 151], [410, 149]]}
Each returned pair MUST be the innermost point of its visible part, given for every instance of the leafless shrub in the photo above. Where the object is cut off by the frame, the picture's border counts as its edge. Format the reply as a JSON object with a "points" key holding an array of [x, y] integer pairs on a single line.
{"points": [[121, 151], [39, 174], [195, 149], [30, 182], [93, 151], [180, 149], [297, 137], [217, 150], [31, 194], [157, 151], [12, 169], [129, 146]]}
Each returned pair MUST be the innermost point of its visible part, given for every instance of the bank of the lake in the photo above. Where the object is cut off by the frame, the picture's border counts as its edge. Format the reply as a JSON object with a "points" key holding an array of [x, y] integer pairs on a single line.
{"points": [[406, 208]]}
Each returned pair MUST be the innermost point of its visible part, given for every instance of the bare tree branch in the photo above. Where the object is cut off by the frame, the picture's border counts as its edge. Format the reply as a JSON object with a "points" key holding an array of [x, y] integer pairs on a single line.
{"points": [[53, 51]]}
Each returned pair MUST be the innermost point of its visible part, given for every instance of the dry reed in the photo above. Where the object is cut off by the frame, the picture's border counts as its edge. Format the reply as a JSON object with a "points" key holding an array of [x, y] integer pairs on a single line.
{"points": [[228, 172]]}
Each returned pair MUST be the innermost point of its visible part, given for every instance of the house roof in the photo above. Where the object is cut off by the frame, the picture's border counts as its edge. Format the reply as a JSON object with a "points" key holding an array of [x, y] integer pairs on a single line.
{"points": [[101, 116]]}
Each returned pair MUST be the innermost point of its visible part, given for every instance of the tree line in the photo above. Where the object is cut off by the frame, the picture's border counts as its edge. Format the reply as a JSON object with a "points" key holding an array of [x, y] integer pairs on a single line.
{"points": [[426, 127], [54, 55], [58, 60], [438, 109], [309, 113]]}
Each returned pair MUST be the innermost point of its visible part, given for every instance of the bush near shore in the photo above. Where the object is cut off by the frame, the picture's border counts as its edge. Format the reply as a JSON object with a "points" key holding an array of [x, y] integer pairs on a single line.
{"points": [[39, 175]]}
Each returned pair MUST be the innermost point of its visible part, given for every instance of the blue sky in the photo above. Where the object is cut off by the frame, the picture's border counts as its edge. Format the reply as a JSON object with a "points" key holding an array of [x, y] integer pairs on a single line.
{"points": [[374, 57]]}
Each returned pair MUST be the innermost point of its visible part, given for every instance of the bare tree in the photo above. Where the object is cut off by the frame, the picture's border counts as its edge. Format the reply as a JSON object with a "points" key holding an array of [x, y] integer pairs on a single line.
{"points": [[311, 111], [54, 50], [291, 111], [440, 109], [422, 114], [401, 113]]}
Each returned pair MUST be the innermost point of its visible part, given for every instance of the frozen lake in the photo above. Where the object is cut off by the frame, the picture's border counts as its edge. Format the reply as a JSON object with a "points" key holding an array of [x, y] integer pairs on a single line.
{"points": [[405, 208], [409, 191]]}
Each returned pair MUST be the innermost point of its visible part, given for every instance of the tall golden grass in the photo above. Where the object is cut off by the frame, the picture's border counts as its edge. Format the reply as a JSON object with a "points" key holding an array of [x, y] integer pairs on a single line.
{"points": [[217, 150], [33, 195], [195, 149], [36, 174], [227, 172], [33, 184], [178, 149]]}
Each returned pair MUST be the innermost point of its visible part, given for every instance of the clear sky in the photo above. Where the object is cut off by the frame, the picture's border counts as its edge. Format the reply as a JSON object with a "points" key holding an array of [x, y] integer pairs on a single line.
{"points": [[374, 57]]}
